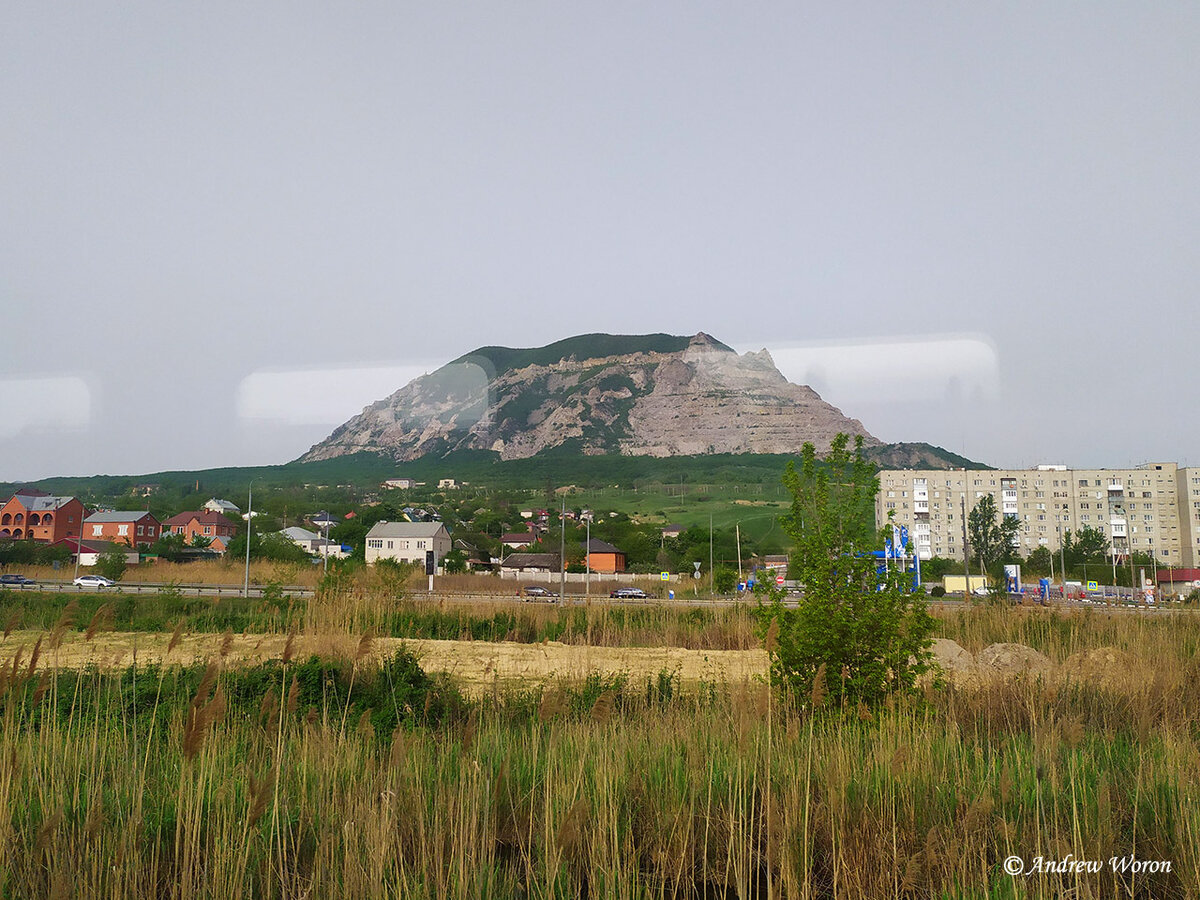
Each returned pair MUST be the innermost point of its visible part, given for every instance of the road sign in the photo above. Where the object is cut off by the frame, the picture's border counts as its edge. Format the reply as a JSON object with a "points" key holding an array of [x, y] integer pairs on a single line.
{"points": [[1093, 587], [664, 576], [779, 580]]}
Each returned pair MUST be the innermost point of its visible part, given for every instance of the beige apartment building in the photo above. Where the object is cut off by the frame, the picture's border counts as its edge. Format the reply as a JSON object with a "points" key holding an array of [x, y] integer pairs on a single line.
{"points": [[1152, 509]]}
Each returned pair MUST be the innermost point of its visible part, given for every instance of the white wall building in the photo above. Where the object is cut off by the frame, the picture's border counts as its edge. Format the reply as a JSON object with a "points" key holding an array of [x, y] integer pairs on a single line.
{"points": [[1153, 509], [311, 542], [407, 541]]}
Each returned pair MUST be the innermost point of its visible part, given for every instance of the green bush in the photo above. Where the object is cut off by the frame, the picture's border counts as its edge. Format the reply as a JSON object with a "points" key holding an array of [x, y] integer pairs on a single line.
{"points": [[859, 630]]}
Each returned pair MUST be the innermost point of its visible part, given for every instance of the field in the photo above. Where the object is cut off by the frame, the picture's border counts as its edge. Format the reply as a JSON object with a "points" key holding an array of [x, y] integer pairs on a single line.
{"points": [[359, 745]]}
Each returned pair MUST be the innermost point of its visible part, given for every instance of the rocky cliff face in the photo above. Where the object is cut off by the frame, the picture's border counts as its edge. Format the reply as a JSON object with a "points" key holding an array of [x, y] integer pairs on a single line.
{"points": [[651, 400]]}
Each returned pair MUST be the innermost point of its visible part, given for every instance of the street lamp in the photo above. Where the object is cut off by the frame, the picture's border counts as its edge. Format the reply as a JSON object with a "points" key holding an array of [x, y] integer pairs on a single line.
{"points": [[249, 529]]}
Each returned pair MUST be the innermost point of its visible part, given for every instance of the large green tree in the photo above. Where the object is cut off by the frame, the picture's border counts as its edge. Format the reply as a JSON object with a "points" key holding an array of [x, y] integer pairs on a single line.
{"points": [[859, 629], [1088, 545], [991, 535]]}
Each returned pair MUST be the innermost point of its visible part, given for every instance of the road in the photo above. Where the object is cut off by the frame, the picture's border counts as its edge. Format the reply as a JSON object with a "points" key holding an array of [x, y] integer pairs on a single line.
{"points": [[257, 591]]}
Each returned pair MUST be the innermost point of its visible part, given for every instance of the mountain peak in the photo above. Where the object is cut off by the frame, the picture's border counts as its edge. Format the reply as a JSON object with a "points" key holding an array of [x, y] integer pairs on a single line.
{"points": [[638, 395]]}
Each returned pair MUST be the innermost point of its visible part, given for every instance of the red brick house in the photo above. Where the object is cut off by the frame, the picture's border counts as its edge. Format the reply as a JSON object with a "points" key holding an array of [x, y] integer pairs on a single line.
{"points": [[136, 528], [603, 557], [40, 517], [203, 523]]}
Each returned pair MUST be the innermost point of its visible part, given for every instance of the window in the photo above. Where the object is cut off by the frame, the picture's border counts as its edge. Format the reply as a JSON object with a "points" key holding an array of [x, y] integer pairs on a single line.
{"points": [[97, 530], [123, 530], [140, 530]]}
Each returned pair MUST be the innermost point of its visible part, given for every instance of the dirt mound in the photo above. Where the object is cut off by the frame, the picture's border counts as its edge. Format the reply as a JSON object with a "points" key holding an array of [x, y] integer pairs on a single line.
{"points": [[1005, 660], [1107, 666], [956, 662]]}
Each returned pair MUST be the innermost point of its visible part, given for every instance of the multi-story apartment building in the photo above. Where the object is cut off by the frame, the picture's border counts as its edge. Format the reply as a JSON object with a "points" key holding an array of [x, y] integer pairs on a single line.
{"points": [[1152, 509]]}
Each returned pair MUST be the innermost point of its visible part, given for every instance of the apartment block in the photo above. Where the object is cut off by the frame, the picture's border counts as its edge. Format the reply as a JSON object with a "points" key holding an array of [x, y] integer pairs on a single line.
{"points": [[1154, 508]]}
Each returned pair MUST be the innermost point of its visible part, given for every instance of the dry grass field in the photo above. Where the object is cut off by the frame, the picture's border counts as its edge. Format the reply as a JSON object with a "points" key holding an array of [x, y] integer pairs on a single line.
{"points": [[631, 756]]}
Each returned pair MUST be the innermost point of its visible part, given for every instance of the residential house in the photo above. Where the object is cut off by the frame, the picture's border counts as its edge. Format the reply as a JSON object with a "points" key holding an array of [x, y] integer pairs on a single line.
{"points": [[222, 506], [91, 551], [136, 528], [520, 564], [477, 560], [672, 531], [32, 514], [323, 520], [449, 484], [517, 540], [315, 544], [407, 541], [399, 484], [775, 562], [203, 523], [604, 558]]}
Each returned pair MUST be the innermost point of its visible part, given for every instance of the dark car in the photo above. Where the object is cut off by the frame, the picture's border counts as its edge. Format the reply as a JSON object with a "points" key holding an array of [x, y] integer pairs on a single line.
{"points": [[10, 578], [629, 594], [536, 590]]}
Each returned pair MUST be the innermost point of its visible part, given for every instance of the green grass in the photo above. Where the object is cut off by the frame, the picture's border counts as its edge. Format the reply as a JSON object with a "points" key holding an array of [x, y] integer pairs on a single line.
{"points": [[608, 788]]}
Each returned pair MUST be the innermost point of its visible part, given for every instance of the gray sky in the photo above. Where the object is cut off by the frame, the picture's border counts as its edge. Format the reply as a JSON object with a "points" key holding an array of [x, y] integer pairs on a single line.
{"points": [[970, 223]]}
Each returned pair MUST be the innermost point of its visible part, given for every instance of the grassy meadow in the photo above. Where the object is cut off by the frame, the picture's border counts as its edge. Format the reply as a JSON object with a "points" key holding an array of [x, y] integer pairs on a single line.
{"points": [[335, 775]]}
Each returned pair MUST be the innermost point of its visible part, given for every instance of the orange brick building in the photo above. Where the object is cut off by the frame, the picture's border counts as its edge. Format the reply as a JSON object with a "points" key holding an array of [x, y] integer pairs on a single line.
{"points": [[603, 557], [132, 527], [203, 523], [37, 516]]}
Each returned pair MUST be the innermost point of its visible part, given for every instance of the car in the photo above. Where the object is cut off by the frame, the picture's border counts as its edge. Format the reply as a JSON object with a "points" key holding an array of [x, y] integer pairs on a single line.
{"points": [[11, 578], [629, 594], [97, 581], [536, 590]]}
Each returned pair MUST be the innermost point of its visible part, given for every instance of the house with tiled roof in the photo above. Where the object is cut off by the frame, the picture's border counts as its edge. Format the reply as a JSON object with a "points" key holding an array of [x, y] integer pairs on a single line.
{"points": [[35, 515], [137, 528], [203, 524], [517, 564], [603, 557]]}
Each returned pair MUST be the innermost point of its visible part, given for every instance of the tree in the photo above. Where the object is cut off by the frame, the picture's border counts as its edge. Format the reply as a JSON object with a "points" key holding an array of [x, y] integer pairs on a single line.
{"points": [[1039, 562], [991, 540], [856, 627], [1087, 546], [454, 562], [725, 580], [111, 564]]}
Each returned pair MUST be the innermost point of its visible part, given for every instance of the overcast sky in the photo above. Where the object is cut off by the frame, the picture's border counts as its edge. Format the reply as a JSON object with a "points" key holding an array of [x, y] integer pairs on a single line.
{"points": [[974, 224]]}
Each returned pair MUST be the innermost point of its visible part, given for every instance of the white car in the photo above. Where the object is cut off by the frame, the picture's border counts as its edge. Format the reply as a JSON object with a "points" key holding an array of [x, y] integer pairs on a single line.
{"points": [[97, 581]]}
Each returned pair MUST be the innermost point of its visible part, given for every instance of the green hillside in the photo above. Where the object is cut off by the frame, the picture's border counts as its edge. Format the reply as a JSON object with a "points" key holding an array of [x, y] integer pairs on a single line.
{"points": [[365, 471]]}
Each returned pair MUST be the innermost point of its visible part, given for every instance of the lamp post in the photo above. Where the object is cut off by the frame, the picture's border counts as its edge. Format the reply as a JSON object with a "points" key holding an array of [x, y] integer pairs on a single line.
{"points": [[562, 551], [325, 547], [249, 529]]}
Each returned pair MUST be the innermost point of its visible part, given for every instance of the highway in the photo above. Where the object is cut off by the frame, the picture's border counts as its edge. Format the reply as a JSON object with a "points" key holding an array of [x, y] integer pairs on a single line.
{"points": [[573, 599]]}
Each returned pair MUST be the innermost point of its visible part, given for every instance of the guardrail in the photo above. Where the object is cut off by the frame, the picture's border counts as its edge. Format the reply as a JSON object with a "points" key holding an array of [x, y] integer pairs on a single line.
{"points": [[136, 587]]}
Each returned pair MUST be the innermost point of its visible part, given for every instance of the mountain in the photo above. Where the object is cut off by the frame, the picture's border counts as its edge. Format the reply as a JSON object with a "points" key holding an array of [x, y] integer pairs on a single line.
{"points": [[636, 395]]}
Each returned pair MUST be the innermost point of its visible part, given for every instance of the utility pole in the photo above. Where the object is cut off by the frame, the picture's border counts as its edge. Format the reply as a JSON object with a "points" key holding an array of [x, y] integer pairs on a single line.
{"points": [[562, 551], [325, 546], [249, 528], [737, 530], [710, 554], [587, 560], [966, 551]]}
